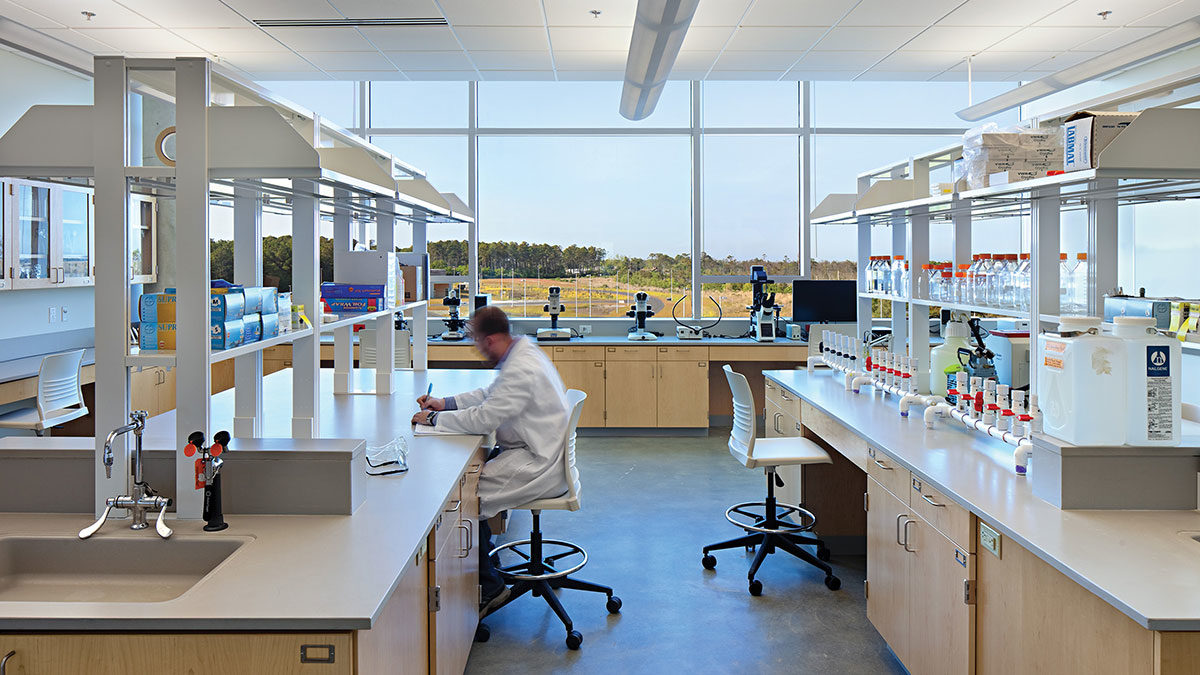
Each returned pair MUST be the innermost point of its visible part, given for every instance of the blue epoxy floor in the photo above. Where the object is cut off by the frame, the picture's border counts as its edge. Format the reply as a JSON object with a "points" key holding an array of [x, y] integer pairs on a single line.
{"points": [[649, 505]]}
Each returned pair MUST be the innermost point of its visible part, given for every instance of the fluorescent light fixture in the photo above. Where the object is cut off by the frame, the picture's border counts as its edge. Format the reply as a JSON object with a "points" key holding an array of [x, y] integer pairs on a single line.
{"points": [[1137, 52], [658, 33], [351, 23]]}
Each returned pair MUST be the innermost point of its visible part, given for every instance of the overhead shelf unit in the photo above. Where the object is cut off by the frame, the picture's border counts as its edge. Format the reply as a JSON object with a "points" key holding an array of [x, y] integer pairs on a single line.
{"points": [[235, 139], [1156, 158]]}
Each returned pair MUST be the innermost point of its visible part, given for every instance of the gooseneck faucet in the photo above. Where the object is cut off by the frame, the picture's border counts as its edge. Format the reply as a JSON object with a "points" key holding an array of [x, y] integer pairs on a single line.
{"points": [[144, 497]]}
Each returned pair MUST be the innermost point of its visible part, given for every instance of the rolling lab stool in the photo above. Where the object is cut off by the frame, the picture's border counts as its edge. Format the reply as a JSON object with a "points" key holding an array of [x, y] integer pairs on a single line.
{"points": [[59, 396], [538, 573], [773, 528]]}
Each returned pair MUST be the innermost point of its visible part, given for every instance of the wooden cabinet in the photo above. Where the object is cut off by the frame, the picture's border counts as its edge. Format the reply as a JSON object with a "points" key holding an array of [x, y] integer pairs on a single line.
{"points": [[454, 576], [152, 390], [588, 377], [887, 568], [679, 389], [276, 359], [781, 425], [143, 239], [398, 642], [631, 393]]}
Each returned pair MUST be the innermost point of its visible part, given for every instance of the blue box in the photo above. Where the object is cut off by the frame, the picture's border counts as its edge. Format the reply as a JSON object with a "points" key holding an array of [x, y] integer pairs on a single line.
{"points": [[157, 336], [270, 326], [226, 334], [334, 290], [157, 307], [251, 328], [270, 300], [354, 305], [253, 299], [226, 306]]}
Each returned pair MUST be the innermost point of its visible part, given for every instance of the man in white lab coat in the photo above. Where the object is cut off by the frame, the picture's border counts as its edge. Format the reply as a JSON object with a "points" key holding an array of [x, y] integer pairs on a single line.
{"points": [[526, 407]]}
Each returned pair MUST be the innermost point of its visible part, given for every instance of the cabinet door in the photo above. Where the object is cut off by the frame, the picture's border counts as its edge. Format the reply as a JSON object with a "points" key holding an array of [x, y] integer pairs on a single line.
{"points": [[166, 390], [143, 390], [683, 394], [398, 642], [941, 623], [29, 215], [782, 425], [588, 377], [7, 196], [75, 267], [630, 393], [458, 613], [143, 228], [887, 568]]}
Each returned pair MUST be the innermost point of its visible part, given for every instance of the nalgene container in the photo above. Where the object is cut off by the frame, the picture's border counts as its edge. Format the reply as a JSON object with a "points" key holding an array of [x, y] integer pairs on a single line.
{"points": [[1081, 384], [1153, 378]]}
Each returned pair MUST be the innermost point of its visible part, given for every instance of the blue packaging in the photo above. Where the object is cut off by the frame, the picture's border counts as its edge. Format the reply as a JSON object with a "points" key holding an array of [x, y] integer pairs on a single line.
{"points": [[270, 326], [226, 334], [157, 336], [254, 298], [334, 290], [251, 328], [270, 300], [157, 307], [228, 306]]}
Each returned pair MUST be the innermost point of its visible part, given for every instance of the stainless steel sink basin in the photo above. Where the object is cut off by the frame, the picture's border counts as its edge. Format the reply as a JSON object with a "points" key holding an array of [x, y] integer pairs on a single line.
{"points": [[114, 569]]}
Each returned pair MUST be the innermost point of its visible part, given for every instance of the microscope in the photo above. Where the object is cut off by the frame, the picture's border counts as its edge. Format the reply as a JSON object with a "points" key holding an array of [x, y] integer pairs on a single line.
{"points": [[640, 311], [554, 307], [455, 324], [763, 310]]}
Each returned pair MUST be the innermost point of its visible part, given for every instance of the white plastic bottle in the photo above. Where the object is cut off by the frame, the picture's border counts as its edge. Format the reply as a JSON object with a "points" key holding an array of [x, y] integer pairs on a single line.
{"points": [[1153, 360], [1081, 384], [943, 359]]}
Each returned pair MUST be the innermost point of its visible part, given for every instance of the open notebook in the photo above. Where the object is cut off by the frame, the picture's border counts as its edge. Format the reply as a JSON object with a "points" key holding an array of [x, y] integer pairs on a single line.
{"points": [[423, 430]]}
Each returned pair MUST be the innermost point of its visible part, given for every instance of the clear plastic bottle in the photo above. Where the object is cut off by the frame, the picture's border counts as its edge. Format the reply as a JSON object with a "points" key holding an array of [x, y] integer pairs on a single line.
{"points": [[973, 274], [1023, 282], [1079, 284], [979, 285], [923, 282], [896, 282], [945, 282], [1008, 282], [961, 290], [1066, 279], [995, 272], [905, 280]]}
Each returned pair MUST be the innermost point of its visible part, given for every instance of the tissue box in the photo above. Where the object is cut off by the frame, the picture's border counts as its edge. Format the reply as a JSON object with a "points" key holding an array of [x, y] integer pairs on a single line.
{"points": [[269, 326], [227, 306], [157, 336], [251, 328], [270, 300], [226, 334], [158, 307]]}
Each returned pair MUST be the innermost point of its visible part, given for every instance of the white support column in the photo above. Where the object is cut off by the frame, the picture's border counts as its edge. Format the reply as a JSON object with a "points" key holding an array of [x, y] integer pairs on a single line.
{"points": [[899, 310], [917, 254], [385, 331], [1102, 244], [473, 188], [1044, 249], [806, 206], [111, 153], [697, 200], [306, 280], [864, 257], [962, 231], [248, 271], [192, 382], [420, 321], [343, 338]]}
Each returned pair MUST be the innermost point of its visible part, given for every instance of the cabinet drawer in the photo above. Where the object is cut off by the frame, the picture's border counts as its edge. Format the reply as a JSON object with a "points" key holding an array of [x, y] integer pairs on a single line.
{"points": [[889, 473], [630, 353], [690, 353], [445, 526], [790, 403], [945, 516], [578, 353], [850, 445]]}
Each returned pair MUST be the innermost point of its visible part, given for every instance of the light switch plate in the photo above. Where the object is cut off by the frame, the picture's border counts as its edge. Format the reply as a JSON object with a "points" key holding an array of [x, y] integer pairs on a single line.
{"points": [[63, 313], [53, 315], [989, 539]]}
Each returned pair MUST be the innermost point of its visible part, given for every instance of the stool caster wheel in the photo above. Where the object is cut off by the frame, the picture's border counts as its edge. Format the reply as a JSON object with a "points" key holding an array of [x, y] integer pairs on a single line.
{"points": [[823, 554], [574, 639], [613, 605], [755, 587], [709, 561], [833, 583], [482, 633]]}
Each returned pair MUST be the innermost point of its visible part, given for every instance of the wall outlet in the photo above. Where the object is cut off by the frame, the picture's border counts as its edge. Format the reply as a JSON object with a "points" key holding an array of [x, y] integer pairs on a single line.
{"points": [[63, 313], [585, 329], [53, 314]]}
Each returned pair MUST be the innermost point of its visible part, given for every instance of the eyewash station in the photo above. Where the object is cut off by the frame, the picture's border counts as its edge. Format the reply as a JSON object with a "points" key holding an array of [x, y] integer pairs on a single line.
{"points": [[997, 503]]}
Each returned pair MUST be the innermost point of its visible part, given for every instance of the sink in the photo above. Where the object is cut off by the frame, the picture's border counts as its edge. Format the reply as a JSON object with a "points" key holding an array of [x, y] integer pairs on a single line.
{"points": [[107, 569]]}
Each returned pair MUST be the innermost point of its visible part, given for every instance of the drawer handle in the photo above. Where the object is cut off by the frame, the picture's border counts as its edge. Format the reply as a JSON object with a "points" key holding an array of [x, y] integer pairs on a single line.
{"points": [[466, 548], [898, 518], [474, 468], [4, 661], [930, 501], [322, 654], [457, 506], [881, 465], [906, 548]]}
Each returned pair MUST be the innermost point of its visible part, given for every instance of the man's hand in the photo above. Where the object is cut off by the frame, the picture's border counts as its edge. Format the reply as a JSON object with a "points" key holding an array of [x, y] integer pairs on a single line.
{"points": [[422, 417], [430, 403]]}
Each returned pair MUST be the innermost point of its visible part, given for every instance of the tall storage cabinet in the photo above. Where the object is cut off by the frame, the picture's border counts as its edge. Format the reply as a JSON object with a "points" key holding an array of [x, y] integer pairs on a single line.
{"points": [[48, 238]]}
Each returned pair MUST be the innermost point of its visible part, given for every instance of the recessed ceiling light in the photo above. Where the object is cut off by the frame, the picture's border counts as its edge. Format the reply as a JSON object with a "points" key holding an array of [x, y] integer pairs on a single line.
{"points": [[351, 23]]}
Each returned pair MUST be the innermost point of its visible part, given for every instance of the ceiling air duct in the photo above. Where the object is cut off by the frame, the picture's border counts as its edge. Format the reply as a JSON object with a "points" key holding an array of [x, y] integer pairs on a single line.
{"points": [[658, 33]]}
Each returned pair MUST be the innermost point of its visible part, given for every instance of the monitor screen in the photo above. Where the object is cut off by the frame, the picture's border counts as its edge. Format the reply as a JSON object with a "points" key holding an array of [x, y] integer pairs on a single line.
{"points": [[816, 301]]}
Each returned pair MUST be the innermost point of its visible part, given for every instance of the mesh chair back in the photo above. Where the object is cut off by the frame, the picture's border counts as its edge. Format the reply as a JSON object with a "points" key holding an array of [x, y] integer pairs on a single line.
{"points": [[58, 382], [575, 399], [741, 437]]}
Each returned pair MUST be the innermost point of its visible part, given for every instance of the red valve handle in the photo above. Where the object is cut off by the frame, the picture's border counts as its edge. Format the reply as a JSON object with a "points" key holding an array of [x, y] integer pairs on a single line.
{"points": [[216, 449], [189, 450]]}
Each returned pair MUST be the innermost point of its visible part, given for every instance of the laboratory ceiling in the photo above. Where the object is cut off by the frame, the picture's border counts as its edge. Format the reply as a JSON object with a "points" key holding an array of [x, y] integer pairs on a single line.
{"points": [[1007, 40]]}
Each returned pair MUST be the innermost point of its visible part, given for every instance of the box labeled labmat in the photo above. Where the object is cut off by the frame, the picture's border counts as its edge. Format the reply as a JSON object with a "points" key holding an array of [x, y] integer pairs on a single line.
{"points": [[226, 334], [1087, 133]]}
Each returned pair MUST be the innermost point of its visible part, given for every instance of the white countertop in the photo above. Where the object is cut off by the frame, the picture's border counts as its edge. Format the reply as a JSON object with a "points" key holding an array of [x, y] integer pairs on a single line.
{"points": [[1141, 562], [298, 572], [29, 366], [609, 340]]}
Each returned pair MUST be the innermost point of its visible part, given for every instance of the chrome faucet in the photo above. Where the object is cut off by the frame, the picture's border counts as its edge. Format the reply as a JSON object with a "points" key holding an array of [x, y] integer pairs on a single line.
{"points": [[144, 497]]}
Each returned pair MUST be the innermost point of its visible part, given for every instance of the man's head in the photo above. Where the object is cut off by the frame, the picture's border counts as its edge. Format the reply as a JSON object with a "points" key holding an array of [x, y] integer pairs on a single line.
{"points": [[489, 329]]}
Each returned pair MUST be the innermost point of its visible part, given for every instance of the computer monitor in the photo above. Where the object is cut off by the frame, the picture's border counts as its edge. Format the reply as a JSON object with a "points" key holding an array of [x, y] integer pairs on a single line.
{"points": [[823, 301]]}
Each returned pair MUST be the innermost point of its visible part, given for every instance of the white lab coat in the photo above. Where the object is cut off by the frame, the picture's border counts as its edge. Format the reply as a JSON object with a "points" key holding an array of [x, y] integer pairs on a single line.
{"points": [[526, 406]]}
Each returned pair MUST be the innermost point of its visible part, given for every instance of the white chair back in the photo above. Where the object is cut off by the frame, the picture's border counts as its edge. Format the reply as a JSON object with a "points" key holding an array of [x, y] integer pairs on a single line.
{"points": [[575, 399], [741, 437], [58, 382]]}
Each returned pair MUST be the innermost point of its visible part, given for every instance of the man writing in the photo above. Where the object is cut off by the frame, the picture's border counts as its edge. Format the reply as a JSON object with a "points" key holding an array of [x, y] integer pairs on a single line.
{"points": [[526, 407]]}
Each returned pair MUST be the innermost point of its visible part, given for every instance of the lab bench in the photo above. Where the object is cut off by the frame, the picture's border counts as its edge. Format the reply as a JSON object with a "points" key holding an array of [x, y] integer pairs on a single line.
{"points": [[967, 570]]}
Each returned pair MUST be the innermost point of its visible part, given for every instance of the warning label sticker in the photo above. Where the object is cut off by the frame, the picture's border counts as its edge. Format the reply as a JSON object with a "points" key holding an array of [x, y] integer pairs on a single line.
{"points": [[1052, 362], [1055, 346], [1159, 401]]}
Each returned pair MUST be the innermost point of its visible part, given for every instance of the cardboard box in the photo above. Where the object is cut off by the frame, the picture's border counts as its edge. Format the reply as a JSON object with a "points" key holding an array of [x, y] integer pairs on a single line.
{"points": [[413, 288], [1087, 133], [336, 290], [226, 306], [353, 305], [226, 334], [251, 328], [269, 326], [270, 300], [157, 336], [158, 307]]}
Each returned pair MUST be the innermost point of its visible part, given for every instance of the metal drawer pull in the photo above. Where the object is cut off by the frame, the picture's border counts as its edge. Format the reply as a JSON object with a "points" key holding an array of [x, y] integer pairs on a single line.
{"points": [[906, 548], [475, 468], [4, 661], [930, 501], [321, 654], [902, 515], [466, 551], [457, 506], [881, 465]]}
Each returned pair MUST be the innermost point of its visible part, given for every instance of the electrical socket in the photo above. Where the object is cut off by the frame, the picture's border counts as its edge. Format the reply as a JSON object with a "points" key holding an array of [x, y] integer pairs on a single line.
{"points": [[63, 313], [585, 329], [53, 314]]}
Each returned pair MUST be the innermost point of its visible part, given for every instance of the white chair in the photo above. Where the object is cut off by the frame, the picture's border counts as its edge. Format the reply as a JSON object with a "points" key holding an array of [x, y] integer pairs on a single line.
{"points": [[59, 396], [773, 528], [538, 573]]}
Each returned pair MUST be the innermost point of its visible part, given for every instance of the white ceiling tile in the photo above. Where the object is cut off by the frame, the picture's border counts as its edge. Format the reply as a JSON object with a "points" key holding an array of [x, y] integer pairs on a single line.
{"points": [[892, 13], [720, 13], [918, 61], [493, 13], [1118, 37], [28, 17], [719, 75], [291, 9], [504, 38], [328, 39], [1008, 13], [217, 40], [797, 12], [456, 60], [84, 42], [1000, 62], [731, 60], [702, 38], [607, 39], [1123, 12], [1170, 16], [355, 75], [411, 38], [349, 60], [960, 38], [443, 75], [517, 75], [592, 75], [277, 62], [593, 61], [894, 76], [774, 39], [1043, 38], [531, 60], [960, 75], [285, 75], [694, 60], [869, 38], [677, 74], [825, 61], [387, 9], [1064, 60], [155, 40], [108, 14], [618, 13], [190, 14], [821, 75]]}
